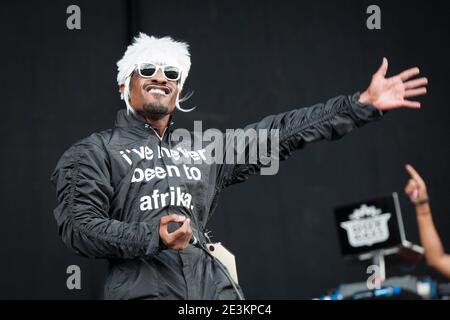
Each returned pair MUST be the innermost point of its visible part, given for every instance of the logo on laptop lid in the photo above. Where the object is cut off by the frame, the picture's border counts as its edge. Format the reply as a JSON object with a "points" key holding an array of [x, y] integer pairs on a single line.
{"points": [[370, 225], [366, 226]]}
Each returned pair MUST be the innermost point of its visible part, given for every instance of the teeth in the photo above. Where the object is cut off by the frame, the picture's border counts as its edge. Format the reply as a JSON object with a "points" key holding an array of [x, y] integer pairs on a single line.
{"points": [[157, 91]]}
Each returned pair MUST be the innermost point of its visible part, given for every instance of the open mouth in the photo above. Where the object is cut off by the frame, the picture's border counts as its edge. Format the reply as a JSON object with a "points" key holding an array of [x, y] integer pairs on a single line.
{"points": [[151, 88]]}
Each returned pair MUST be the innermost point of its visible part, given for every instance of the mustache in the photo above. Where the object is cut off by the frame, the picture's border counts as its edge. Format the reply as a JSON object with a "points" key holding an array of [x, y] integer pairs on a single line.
{"points": [[148, 86]]}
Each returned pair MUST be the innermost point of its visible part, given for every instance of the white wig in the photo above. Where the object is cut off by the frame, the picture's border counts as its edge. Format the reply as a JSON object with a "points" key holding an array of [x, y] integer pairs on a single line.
{"points": [[161, 51]]}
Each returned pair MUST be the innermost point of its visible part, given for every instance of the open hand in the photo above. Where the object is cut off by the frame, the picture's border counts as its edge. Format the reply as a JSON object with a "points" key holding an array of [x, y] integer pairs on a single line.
{"points": [[392, 93]]}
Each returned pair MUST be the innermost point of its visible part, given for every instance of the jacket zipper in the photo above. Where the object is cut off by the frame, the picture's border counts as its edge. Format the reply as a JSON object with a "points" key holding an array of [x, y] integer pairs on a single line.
{"points": [[159, 137]]}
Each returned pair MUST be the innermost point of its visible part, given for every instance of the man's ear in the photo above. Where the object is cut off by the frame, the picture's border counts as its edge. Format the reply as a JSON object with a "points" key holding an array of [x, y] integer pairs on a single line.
{"points": [[121, 88]]}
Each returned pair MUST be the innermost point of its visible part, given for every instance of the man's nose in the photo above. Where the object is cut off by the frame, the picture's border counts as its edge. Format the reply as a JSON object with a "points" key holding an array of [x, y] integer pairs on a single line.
{"points": [[159, 78]]}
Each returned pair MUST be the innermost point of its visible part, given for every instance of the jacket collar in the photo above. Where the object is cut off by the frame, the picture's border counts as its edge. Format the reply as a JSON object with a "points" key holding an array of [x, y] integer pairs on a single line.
{"points": [[136, 122]]}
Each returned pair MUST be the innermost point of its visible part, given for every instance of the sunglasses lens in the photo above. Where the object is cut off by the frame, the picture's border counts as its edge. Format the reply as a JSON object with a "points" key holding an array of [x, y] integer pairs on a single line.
{"points": [[147, 70], [171, 73]]}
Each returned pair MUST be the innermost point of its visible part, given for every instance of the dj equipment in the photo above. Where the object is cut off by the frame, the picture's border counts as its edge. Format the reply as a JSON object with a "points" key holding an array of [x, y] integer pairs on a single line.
{"points": [[374, 230]]}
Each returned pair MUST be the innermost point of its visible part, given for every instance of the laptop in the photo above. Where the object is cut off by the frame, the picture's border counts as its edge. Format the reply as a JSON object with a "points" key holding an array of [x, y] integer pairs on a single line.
{"points": [[374, 227]]}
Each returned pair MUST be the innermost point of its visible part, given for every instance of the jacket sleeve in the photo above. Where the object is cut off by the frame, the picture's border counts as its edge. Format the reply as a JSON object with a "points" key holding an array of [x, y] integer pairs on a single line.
{"points": [[330, 120], [84, 193]]}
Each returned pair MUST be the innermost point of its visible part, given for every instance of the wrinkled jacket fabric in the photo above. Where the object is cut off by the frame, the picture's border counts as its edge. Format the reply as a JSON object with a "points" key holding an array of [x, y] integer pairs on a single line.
{"points": [[100, 211]]}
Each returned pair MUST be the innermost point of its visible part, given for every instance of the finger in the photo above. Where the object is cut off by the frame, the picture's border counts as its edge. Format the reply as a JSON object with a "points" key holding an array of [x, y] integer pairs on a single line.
{"points": [[408, 190], [181, 231], [163, 232], [166, 219], [189, 235], [383, 68], [415, 92], [411, 104], [181, 218], [409, 187], [415, 185], [412, 191], [416, 83], [413, 173], [405, 75], [173, 217], [183, 240]]}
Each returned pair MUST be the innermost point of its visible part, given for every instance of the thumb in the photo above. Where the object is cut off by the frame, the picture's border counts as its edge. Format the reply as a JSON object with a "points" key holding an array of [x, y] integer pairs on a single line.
{"points": [[383, 68]]}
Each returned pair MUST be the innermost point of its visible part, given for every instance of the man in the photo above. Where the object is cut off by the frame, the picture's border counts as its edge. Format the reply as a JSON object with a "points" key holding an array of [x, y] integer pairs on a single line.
{"points": [[119, 189], [416, 190]]}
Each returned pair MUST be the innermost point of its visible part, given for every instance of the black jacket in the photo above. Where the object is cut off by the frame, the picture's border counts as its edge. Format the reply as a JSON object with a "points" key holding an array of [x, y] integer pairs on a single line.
{"points": [[101, 213]]}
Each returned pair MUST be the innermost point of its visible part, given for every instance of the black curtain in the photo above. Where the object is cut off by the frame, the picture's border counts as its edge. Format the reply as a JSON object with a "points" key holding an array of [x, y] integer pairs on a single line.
{"points": [[249, 59]]}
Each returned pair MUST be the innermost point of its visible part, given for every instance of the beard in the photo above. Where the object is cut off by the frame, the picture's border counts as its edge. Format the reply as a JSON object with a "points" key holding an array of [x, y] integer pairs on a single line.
{"points": [[154, 110]]}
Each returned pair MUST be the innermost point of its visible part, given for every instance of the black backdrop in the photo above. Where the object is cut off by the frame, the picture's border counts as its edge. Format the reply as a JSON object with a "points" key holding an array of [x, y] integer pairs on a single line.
{"points": [[250, 59]]}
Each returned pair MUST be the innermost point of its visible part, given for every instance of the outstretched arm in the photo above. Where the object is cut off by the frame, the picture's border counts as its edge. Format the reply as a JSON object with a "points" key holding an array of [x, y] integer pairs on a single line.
{"points": [[330, 120], [434, 251]]}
